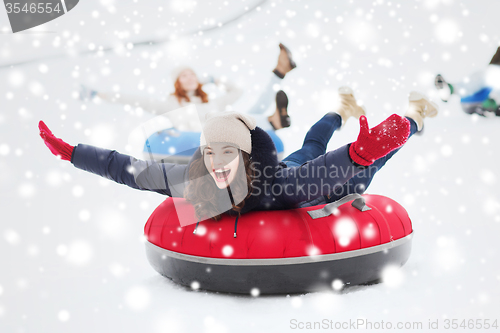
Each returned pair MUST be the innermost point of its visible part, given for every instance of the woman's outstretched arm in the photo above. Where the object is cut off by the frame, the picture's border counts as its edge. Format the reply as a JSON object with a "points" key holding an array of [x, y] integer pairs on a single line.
{"points": [[315, 178], [327, 173], [121, 168], [127, 170]]}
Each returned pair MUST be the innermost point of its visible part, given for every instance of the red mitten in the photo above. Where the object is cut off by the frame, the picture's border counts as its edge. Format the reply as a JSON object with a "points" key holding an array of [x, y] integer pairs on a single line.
{"points": [[379, 141], [57, 146]]}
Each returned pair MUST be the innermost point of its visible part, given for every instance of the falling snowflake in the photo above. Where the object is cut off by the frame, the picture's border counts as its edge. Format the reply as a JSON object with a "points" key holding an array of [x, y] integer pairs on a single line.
{"points": [[392, 276], [63, 315], [227, 250]]}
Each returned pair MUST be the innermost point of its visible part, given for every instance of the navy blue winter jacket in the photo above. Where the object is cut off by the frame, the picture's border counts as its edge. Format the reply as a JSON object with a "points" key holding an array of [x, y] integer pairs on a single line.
{"points": [[278, 187]]}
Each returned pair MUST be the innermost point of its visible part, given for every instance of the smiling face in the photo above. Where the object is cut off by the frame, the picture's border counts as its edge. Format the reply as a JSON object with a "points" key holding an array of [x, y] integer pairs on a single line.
{"points": [[222, 161], [188, 80]]}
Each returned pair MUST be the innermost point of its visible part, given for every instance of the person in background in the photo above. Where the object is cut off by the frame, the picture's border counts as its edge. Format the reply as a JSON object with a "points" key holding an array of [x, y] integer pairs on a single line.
{"points": [[188, 89], [479, 92]]}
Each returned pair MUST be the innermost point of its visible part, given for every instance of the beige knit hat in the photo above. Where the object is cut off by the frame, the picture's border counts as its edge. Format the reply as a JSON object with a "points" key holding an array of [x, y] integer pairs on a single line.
{"points": [[178, 70], [228, 127]]}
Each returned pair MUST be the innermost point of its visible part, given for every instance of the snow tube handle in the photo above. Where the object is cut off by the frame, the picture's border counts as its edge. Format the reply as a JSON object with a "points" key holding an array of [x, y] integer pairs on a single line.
{"points": [[359, 203]]}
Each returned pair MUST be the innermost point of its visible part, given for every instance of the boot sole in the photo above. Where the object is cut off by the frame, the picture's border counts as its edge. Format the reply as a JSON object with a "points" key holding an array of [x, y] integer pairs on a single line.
{"points": [[289, 55], [440, 83], [282, 105]]}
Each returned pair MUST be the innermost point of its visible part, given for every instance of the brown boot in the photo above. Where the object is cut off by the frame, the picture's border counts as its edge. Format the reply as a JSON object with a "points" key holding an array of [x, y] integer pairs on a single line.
{"points": [[285, 62], [280, 118]]}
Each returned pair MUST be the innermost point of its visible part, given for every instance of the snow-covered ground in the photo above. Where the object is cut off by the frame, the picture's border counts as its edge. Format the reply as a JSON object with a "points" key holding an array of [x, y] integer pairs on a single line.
{"points": [[71, 247]]}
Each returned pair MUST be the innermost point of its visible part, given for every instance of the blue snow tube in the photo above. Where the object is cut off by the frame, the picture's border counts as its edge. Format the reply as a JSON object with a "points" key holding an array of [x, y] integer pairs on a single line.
{"points": [[280, 148], [174, 146], [477, 97]]}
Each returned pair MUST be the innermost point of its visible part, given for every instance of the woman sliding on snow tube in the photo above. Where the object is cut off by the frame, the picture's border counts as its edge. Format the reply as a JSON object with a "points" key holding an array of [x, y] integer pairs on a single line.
{"points": [[188, 91], [479, 92], [236, 169]]}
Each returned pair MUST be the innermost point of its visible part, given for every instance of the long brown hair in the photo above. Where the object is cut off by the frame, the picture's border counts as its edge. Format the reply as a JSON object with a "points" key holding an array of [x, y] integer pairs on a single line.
{"points": [[181, 94], [201, 190]]}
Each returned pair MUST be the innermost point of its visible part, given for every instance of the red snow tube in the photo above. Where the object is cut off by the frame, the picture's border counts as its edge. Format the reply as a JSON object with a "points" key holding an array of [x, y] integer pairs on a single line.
{"points": [[276, 252]]}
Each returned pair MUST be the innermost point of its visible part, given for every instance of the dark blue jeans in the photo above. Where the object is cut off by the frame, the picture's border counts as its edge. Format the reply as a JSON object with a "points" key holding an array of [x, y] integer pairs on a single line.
{"points": [[316, 140], [315, 144]]}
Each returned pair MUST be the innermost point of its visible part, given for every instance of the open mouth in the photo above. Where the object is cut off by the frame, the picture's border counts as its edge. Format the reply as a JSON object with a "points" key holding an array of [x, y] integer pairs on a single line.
{"points": [[222, 175]]}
